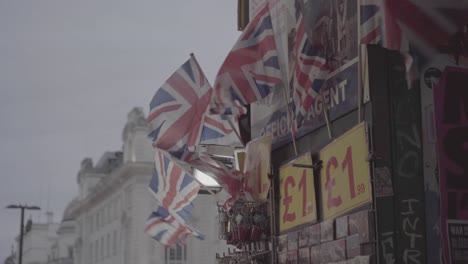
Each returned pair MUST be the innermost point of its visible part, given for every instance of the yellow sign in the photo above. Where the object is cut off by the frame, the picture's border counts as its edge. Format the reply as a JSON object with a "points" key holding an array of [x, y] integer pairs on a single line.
{"points": [[344, 177], [256, 168], [297, 204]]}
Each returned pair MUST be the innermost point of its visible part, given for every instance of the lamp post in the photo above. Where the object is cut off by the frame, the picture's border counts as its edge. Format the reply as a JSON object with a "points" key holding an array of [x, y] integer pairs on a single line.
{"points": [[23, 208]]}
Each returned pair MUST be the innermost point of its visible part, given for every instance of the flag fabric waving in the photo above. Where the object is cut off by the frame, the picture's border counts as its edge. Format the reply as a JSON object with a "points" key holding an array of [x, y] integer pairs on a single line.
{"points": [[165, 228], [423, 24], [310, 68], [173, 187], [217, 131], [250, 70], [370, 21], [177, 109]]}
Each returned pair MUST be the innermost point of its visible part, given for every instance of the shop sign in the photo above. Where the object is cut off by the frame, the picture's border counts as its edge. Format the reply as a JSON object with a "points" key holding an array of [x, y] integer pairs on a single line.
{"points": [[298, 204], [339, 96], [257, 168], [344, 176]]}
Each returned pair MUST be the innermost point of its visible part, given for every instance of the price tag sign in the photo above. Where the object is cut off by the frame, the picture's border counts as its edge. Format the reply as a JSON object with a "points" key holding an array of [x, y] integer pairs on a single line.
{"points": [[344, 177], [257, 167], [297, 204]]}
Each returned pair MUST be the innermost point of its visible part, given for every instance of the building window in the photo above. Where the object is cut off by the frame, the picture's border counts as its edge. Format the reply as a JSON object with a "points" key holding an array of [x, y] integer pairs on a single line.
{"points": [[91, 252], [114, 243], [70, 252], [119, 206], [108, 213], [108, 245], [176, 255], [103, 220], [96, 255], [128, 197], [102, 247], [97, 221]]}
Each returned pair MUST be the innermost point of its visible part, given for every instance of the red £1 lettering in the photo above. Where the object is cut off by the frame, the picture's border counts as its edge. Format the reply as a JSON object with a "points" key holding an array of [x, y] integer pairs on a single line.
{"points": [[288, 217], [331, 202]]}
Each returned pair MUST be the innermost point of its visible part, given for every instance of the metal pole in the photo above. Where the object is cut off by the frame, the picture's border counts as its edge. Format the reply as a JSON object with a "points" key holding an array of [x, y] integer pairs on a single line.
{"points": [[20, 259], [23, 208]]}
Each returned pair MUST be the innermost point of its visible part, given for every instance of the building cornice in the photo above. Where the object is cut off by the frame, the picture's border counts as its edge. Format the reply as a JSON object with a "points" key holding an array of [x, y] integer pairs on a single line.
{"points": [[110, 183]]}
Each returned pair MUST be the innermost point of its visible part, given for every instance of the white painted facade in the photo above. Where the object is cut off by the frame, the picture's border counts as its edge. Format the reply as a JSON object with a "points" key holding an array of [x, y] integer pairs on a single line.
{"points": [[37, 240]]}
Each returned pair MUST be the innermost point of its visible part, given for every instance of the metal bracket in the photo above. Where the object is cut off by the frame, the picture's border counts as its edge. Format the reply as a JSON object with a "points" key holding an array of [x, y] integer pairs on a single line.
{"points": [[315, 166], [372, 156]]}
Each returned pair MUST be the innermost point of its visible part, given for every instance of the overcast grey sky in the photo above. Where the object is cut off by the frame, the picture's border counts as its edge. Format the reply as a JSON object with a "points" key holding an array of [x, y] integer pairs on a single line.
{"points": [[70, 71]]}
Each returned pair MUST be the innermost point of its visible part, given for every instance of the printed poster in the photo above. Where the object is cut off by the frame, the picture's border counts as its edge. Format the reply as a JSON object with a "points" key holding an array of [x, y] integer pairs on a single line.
{"points": [[451, 111]]}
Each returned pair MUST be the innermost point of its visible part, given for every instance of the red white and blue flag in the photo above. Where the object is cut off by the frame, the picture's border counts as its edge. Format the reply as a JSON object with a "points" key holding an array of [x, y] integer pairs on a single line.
{"points": [[370, 21], [310, 69], [251, 69], [173, 187], [217, 131], [177, 109], [165, 228], [425, 25]]}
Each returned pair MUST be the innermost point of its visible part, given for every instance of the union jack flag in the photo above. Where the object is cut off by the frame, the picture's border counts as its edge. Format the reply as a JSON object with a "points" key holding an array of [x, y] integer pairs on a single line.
{"points": [[251, 69], [177, 109], [173, 187], [310, 68], [370, 21], [165, 228], [422, 24], [217, 131]]}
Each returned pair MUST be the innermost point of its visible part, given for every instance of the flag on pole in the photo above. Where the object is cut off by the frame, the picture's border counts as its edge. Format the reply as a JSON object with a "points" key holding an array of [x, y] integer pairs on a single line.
{"points": [[310, 67], [177, 109], [424, 24], [217, 131], [164, 227], [173, 186], [250, 70], [370, 21]]}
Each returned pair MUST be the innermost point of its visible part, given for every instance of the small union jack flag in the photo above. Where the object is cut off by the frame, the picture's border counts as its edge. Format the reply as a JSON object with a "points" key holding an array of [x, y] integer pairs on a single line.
{"points": [[217, 131], [165, 228], [251, 69], [177, 109], [173, 187], [370, 21]]}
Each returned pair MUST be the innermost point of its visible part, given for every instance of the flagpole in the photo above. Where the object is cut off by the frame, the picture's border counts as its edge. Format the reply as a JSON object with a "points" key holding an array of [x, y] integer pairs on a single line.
{"points": [[234, 129], [325, 113], [291, 123]]}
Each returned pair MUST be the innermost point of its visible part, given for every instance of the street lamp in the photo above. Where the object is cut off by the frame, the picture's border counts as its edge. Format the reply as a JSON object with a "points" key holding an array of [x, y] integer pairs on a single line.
{"points": [[22, 207]]}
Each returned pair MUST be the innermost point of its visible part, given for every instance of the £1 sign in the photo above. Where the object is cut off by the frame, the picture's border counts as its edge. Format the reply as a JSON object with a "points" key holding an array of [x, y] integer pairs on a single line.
{"points": [[345, 177], [297, 190]]}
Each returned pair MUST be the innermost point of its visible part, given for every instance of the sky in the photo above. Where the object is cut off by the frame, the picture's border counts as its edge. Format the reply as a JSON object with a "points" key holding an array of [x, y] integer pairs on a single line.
{"points": [[70, 71]]}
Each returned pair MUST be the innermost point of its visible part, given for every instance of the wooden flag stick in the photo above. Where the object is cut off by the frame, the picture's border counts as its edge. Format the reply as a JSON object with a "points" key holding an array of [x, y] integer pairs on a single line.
{"points": [[234, 129], [291, 123]]}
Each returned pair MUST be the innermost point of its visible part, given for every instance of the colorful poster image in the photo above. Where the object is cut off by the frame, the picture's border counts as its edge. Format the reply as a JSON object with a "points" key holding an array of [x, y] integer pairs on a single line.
{"points": [[451, 110]]}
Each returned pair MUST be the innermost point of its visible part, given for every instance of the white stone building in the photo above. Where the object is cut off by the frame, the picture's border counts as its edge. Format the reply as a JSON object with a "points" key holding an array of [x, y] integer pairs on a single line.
{"points": [[38, 239], [61, 251], [114, 202]]}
